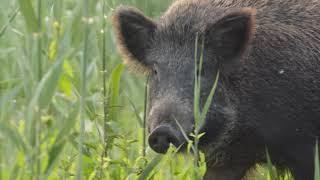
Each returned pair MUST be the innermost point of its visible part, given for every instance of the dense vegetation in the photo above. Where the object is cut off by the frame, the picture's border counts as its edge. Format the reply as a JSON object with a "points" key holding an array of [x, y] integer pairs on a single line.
{"points": [[68, 107]]}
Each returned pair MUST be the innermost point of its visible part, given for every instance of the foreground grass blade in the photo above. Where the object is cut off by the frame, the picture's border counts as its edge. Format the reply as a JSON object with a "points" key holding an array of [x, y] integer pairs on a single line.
{"points": [[184, 134], [135, 110], [114, 86], [83, 85], [271, 172], [46, 88], [61, 140], [29, 15], [196, 101], [316, 163], [69, 124], [147, 170], [209, 101], [54, 155], [144, 131]]}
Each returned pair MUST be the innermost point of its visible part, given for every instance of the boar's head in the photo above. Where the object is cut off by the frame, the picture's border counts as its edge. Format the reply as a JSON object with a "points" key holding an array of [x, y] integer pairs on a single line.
{"points": [[165, 50]]}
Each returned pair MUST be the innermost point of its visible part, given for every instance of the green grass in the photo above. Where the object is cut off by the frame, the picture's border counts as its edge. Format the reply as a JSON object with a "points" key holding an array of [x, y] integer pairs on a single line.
{"points": [[68, 107]]}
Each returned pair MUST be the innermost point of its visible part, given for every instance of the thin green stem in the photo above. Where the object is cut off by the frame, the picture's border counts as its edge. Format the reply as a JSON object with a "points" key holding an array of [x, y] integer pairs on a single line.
{"points": [[104, 70], [1, 153], [83, 85], [11, 18], [105, 93], [145, 119], [38, 122], [196, 150]]}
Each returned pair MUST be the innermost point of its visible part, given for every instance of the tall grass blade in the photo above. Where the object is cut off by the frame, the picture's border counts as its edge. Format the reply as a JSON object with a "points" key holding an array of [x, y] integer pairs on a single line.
{"points": [[316, 163], [271, 171], [61, 139], [144, 143], [209, 100], [196, 100], [104, 79], [135, 110], [39, 57], [83, 91], [29, 15], [54, 154], [69, 124], [46, 88], [114, 88], [184, 133]]}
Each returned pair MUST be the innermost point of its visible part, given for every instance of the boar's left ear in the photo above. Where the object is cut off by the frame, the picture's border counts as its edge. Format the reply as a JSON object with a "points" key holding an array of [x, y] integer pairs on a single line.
{"points": [[230, 36], [134, 32]]}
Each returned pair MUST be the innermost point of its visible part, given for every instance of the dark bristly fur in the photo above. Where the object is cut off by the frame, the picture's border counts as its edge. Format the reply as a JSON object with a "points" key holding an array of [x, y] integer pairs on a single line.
{"points": [[268, 96]]}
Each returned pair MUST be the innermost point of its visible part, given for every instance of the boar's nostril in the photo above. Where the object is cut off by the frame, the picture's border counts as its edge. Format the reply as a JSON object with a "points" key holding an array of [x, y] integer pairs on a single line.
{"points": [[160, 139]]}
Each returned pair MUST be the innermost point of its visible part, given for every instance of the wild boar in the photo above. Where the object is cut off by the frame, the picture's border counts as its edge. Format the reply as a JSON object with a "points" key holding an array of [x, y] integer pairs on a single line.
{"points": [[268, 94]]}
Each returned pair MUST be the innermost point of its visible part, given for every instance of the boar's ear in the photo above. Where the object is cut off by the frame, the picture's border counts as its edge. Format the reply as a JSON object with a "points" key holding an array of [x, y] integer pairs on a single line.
{"points": [[230, 36], [134, 32]]}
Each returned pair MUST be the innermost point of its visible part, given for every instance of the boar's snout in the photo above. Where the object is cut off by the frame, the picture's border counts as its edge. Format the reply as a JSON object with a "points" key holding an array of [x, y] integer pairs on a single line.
{"points": [[161, 137], [168, 116]]}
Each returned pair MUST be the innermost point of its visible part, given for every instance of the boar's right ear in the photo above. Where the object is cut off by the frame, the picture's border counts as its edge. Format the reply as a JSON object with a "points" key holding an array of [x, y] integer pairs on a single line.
{"points": [[231, 35], [134, 32]]}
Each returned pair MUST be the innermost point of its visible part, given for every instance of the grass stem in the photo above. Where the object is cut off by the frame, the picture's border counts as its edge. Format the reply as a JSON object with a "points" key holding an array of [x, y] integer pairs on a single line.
{"points": [[85, 7], [11, 18], [144, 143], [39, 63], [104, 93]]}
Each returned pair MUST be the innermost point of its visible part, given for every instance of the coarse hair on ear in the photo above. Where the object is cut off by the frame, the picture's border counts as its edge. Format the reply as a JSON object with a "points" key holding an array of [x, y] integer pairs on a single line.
{"points": [[134, 31], [230, 36]]}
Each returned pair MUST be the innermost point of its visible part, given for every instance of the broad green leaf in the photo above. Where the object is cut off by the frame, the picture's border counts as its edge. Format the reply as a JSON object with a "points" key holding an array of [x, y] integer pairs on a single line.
{"points": [[43, 94], [114, 87], [202, 164], [209, 100], [149, 168], [54, 154], [47, 86], [29, 15]]}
